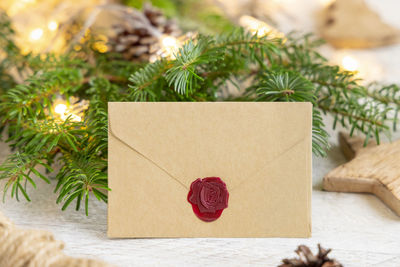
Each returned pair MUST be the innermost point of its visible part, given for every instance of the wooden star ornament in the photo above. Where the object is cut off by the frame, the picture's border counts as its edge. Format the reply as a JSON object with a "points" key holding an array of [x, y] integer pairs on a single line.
{"points": [[372, 169]]}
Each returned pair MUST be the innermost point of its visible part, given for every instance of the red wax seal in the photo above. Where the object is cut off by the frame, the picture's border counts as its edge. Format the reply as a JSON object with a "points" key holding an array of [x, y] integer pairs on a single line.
{"points": [[209, 197]]}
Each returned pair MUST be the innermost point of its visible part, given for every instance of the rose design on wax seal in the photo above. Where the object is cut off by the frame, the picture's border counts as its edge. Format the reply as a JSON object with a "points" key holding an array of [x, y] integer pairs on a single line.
{"points": [[209, 197]]}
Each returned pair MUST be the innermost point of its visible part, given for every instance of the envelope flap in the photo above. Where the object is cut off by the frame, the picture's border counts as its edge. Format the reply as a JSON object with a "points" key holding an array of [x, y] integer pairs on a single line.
{"points": [[193, 140]]}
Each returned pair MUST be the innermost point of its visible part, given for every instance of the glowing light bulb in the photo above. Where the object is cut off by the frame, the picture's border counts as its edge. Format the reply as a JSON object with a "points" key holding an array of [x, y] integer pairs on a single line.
{"points": [[170, 46], [259, 27], [326, 2], [18, 6], [53, 25], [169, 42], [60, 109], [100, 44], [349, 63], [36, 34]]}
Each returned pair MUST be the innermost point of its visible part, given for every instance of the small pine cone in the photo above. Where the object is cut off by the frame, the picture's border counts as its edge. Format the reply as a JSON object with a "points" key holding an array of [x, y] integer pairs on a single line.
{"points": [[308, 259], [137, 38]]}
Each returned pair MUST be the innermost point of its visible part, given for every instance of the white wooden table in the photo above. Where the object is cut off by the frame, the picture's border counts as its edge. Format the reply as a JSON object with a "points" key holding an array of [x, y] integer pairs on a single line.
{"points": [[361, 230]]}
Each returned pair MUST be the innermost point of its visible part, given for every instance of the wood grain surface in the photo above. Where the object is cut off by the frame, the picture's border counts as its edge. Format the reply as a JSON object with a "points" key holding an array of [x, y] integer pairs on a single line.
{"points": [[371, 169], [359, 228]]}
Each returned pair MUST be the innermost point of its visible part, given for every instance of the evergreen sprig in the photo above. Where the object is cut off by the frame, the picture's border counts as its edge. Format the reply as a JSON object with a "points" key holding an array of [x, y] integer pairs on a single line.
{"points": [[282, 69], [235, 66], [18, 169]]}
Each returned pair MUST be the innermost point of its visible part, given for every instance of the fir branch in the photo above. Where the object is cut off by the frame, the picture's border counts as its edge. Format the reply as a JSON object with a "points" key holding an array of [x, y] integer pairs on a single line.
{"points": [[6, 37], [35, 98], [288, 69], [284, 86], [204, 55], [10, 55], [53, 62], [339, 92], [183, 72], [367, 118], [320, 137], [387, 94], [44, 136], [18, 169], [144, 80], [333, 90], [96, 121], [83, 174]]}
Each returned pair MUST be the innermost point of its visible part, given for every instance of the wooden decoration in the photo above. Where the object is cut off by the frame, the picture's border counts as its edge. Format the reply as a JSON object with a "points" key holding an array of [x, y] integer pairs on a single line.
{"points": [[371, 169], [352, 24]]}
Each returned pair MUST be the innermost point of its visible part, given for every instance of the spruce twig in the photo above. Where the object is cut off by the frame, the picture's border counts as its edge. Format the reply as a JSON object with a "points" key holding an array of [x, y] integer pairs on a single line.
{"points": [[289, 70]]}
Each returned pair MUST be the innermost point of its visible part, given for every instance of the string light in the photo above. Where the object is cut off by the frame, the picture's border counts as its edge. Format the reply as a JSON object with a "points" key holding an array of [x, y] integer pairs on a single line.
{"points": [[169, 41], [53, 25], [64, 113], [326, 3], [36, 34], [170, 46], [259, 27], [364, 66], [60, 109], [18, 6], [100, 44], [349, 63], [72, 110]]}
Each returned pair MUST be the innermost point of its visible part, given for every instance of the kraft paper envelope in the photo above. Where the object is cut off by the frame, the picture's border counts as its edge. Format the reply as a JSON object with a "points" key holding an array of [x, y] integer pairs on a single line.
{"points": [[262, 151]]}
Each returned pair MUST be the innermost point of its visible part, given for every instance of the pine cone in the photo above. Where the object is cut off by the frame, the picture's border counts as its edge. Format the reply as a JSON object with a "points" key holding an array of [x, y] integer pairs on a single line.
{"points": [[138, 35], [308, 259]]}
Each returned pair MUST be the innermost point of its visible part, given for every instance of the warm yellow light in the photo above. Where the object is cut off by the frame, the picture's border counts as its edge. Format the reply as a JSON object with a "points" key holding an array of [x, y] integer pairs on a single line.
{"points": [[169, 42], [101, 44], [102, 48], [53, 25], [64, 113], [18, 6], [60, 109], [326, 2], [170, 46], [349, 63], [77, 47], [259, 27], [254, 25], [36, 34]]}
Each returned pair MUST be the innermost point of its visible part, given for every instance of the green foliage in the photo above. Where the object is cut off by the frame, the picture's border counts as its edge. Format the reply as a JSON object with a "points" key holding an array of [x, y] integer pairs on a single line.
{"points": [[146, 82], [287, 69], [201, 16], [168, 6], [285, 86], [18, 169], [288, 86], [10, 53], [235, 66], [82, 173]]}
